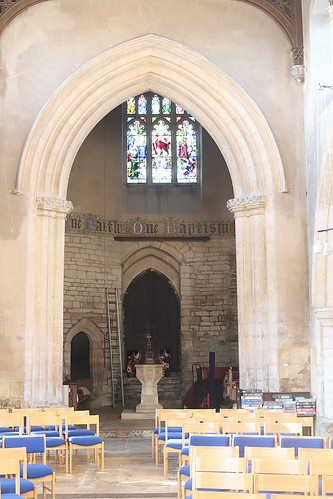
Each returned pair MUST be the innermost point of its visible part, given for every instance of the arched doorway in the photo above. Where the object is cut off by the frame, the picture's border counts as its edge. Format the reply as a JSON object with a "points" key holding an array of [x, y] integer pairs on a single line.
{"points": [[151, 305], [80, 358]]}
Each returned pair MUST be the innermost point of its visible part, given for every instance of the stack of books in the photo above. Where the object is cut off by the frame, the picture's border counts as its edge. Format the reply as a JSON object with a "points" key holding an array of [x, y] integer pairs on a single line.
{"points": [[251, 399], [305, 407]]}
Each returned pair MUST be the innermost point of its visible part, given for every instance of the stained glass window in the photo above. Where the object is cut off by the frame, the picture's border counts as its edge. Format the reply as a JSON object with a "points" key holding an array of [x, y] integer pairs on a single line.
{"points": [[162, 141]]}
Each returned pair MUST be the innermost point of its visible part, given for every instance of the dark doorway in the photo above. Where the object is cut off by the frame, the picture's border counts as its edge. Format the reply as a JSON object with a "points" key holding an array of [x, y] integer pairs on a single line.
{"points": [[151, 305], [80, 357]]}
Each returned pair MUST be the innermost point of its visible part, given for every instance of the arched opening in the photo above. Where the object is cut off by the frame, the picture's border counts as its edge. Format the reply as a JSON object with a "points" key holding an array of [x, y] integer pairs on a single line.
{"points": [[80, 359], [152, 306]]}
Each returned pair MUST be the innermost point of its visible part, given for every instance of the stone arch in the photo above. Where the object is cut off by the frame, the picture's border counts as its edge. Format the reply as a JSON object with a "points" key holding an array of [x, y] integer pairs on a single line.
{"points": [[150, 257], [167, 67], [96, 338]]}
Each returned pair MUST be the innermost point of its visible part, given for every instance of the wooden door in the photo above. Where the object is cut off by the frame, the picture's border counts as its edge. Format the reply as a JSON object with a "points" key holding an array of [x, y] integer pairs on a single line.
{"points": [[151, 305]]}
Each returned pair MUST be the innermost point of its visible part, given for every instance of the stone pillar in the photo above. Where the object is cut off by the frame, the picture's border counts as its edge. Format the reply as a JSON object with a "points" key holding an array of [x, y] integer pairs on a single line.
{"points": [[44, 333], [330, 18], [255, 361]]}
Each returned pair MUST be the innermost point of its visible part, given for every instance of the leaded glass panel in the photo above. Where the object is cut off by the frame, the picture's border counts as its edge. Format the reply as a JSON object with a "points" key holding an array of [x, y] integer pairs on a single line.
{"points": [[136, 153], [161, 153], [131, 106], [155, 105], [166, 106], [186, 153], [142, 105]]}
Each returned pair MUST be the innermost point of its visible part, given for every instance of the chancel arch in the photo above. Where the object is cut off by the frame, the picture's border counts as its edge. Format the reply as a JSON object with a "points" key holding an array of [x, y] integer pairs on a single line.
{"points": [[245, 140]]}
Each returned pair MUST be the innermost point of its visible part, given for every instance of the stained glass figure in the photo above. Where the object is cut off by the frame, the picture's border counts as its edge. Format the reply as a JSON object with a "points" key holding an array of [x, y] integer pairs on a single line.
{"points": [[131, 105], [166, 106], [136, 153], [161, 153], [155, 105], [142, 105], [186, 153]]}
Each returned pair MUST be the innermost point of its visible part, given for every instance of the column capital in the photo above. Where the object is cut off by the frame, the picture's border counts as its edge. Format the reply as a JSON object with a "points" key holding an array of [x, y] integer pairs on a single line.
{"points": [[53, 207], [247, 206]]}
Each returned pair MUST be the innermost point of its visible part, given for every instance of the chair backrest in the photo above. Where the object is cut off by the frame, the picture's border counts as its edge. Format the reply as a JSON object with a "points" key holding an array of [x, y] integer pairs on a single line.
{"points": [[8, 420], [161, 414], [243, 441], [307, 442], [293, 429], [78, 418], [18, 453], [44, 419], [34, 444], [268, 453], [321, 467], [274, 482], [206, 451], [279, 466], [210, 473], [210, 440], [205, 494], [11, 466], [311, 454], [194, 428], [241, 428]]}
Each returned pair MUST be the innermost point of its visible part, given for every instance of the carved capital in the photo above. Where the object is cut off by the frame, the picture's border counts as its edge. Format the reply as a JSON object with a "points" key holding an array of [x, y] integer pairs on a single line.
{"points": [[53, 207], [247, 206], [298, 73]]}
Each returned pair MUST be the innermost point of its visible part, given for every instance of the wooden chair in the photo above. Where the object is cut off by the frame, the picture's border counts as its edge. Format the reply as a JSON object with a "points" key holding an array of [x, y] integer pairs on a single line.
{"points": [[27, 488], [36, 472], [173, 443], [78, 441], [216, 450], [160, 415], [243, 441], [174, 431], [310, 455], [11, 467], [279, 466], [209, 473], [54, 439], [204, 494]]}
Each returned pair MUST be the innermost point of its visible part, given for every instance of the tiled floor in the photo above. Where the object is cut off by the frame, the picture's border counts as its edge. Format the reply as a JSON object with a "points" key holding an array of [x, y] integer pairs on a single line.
{"points": [[129, 469]]}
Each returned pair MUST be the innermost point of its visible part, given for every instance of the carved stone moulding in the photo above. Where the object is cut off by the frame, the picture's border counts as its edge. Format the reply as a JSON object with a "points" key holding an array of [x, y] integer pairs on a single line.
{"points": [[247, 206], [9, 9], [53, 207]]}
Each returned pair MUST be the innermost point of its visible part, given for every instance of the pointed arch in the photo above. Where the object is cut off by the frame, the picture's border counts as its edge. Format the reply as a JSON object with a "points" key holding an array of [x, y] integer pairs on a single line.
{"points": [[150, 63]]}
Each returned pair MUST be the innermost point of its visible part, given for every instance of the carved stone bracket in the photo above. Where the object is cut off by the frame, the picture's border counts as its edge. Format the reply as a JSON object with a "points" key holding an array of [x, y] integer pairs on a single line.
{"points": [[288, 14], [247, 206], [53, 207], [9, 9]]}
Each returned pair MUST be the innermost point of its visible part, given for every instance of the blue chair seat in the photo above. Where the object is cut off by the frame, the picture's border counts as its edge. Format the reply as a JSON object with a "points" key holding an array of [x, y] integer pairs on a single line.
{"points": [[33, 428], [4, 429], [7, 486], [188, 484], [185, 470], [54, 441], [171, 435], [47, 433], [185, 451], [175, 443], [171, 428], [37, 471], [85, 440], [79, 433]]}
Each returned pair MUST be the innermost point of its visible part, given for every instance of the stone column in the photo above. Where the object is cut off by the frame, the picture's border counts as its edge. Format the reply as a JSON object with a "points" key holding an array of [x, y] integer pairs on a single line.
{"points": [[252, 292], [330, 18], [44, 333]]}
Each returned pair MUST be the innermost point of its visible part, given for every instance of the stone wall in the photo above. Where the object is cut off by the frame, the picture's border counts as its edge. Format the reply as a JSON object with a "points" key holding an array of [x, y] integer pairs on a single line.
{"points": [[207, 301]]}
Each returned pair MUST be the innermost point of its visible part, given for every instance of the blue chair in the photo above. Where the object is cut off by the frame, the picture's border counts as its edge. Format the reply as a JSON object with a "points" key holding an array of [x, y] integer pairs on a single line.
{"points": [[243, 441], [8, 485], [37, 473], [305, 442], [78, 440], [54, 440], [11, 467], [204, 442]]}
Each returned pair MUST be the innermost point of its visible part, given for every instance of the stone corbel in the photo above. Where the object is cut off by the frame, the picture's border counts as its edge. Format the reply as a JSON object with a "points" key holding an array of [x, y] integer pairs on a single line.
{"points": [[53, 207], [247, 206], [298, 68]]}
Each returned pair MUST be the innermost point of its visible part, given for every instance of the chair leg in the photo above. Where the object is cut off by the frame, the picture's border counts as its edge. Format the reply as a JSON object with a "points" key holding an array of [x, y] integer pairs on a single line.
{"points": [[102, 450], [165, 459]]}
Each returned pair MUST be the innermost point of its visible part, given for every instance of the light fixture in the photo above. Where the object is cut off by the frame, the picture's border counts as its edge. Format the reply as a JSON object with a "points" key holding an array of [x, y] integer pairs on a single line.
{"points": [[327, 251], [318, 247]]}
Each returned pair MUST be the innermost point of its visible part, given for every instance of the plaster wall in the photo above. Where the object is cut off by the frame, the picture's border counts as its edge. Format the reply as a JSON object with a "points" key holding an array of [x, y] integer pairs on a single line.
{"points": [[43, 46]]}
